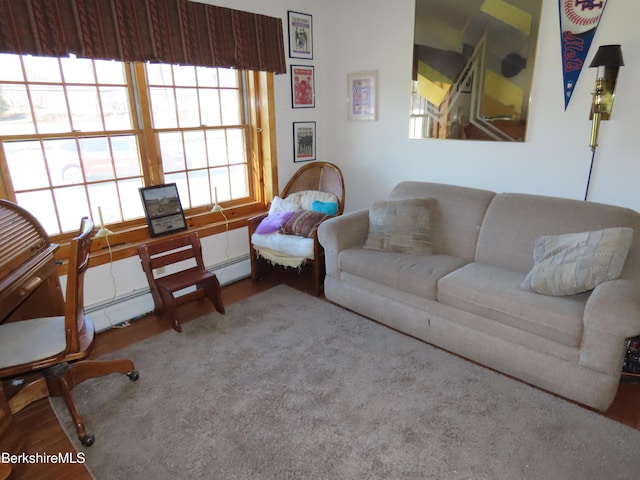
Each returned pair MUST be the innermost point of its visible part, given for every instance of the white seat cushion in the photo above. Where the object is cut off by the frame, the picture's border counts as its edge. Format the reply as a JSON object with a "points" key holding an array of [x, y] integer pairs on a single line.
{"points": [[292, 245], [31, 340]]}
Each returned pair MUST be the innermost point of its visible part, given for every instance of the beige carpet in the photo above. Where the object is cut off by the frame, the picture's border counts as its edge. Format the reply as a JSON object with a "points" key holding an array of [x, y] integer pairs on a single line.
{"points": [[286, 386]]}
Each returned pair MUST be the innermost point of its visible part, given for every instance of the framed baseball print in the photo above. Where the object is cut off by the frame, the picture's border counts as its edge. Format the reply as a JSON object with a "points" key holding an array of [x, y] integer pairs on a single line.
{"points": [[304, 141], [300, 35], [303, 93]]}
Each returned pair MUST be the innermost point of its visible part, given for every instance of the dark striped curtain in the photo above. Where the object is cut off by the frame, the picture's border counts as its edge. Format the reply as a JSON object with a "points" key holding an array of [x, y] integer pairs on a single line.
{"points": [[168, 31]]}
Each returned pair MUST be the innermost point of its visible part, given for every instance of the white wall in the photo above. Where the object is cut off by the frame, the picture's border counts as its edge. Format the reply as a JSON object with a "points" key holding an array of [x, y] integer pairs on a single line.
{"points": [[357, 35], [377, 34]]}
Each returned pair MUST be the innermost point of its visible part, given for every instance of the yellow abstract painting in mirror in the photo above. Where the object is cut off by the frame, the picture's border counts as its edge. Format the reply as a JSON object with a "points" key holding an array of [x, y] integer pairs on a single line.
{"points": [[473, 68]]}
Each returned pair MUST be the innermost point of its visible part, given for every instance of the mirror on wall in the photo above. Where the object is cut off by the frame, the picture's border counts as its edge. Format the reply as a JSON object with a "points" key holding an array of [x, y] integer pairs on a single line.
{"points": [[473, 68]]}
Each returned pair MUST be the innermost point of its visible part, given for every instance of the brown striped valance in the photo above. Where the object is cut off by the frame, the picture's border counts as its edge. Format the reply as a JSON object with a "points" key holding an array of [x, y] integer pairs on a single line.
{"points": [[168, 31]]}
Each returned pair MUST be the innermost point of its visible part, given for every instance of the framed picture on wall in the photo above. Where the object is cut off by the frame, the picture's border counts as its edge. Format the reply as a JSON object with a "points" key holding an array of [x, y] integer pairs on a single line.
{"points": [[362, 95], [163, 209], [303, 92], [304, 141], [300, 35]]}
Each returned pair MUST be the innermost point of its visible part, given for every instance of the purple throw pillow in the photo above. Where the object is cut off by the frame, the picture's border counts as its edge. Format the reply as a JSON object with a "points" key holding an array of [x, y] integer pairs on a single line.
{"points": [[273, 222]]}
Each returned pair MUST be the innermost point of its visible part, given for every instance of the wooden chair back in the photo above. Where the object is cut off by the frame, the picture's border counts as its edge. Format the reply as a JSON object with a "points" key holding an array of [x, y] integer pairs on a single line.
{"points": [[79, 332], [321, 176], [172, 250], [161, 253]]}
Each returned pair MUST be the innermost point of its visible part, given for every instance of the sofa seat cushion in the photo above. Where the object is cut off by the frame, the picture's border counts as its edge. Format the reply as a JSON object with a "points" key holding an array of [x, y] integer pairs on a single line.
{"points": [[494, 292], [415, 274]]}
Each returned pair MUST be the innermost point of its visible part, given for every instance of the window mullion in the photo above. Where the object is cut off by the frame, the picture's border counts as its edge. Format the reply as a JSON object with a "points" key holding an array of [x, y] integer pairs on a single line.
{"points": [[99, 96], [65, 90], [262, 102], [5, 185], [152, 162]]}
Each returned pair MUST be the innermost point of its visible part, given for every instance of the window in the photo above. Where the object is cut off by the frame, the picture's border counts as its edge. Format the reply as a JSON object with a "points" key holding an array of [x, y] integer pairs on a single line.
{"points": [[198, 116], [78, 134]]}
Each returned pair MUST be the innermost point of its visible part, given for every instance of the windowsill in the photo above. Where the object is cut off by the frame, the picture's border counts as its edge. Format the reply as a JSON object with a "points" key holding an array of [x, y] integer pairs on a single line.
{"points": [[124, 244]]}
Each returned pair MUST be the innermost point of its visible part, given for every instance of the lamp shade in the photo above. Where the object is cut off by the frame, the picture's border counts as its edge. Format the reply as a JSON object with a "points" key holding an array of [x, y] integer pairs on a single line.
{"points": [[608, 56]]}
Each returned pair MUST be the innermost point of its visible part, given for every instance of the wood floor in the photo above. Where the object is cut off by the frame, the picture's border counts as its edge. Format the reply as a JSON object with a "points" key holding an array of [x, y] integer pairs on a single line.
{"points": [[42, 433]]}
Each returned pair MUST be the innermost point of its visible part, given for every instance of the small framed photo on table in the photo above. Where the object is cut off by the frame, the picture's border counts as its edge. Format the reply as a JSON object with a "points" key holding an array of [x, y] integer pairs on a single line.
{"points": [[163, 209], [303, 92], [304, 141], [300, 35], [362, 95]]}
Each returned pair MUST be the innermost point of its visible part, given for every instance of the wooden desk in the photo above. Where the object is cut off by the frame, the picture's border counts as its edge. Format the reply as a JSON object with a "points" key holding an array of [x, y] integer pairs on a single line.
{"points": [[29, 288]]}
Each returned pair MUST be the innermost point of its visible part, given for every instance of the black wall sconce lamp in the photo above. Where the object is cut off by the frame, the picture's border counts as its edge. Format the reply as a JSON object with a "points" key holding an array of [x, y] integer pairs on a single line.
{"points": [[608, 60]]}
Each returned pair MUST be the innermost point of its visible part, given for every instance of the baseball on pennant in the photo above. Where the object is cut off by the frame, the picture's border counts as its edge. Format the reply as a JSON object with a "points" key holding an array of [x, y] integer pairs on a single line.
{"points": [[581, 15]]}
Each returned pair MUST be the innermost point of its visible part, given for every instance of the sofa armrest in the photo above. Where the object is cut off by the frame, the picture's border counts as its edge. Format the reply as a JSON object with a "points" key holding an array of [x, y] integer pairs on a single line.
{"points": [[342, 232], [612, 315]]}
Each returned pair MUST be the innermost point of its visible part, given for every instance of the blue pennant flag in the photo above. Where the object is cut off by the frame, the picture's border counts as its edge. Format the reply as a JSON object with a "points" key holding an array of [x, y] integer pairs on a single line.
{"points": [[579, 20]]}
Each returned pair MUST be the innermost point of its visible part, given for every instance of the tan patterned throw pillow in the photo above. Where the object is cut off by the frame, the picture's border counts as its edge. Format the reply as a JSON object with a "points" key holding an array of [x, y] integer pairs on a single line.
{"points": [[402, 226], [303, 223], [577, 262]]}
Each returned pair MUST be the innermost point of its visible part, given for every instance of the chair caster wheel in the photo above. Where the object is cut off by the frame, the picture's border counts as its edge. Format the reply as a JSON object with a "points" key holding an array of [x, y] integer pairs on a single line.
{"points": [[133, 375], [88, 440]]}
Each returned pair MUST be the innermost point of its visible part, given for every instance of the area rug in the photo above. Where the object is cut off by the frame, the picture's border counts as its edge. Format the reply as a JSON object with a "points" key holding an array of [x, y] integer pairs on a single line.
{"points": [[287, 386]]}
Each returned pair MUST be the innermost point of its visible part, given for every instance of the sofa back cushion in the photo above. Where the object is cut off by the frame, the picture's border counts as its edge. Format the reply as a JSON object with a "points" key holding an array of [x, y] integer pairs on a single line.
{"points": [[514, 221], [456, 215]]}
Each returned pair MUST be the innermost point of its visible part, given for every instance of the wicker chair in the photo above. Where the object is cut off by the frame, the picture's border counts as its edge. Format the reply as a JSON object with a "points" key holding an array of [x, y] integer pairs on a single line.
{"points": [[317, 176]]}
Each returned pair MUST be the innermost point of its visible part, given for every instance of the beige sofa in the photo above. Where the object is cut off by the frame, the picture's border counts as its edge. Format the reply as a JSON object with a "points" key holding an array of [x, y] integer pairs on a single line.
{"points": [[468, 295]]}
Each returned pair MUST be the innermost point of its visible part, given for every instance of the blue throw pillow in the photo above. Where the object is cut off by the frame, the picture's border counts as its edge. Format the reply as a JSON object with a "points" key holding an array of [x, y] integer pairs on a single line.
{"points": [[328, 208]]}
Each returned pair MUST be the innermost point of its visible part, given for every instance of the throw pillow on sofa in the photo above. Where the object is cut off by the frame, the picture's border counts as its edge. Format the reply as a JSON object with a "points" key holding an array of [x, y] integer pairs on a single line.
{"points": [[401, 226], [577, 262]]}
